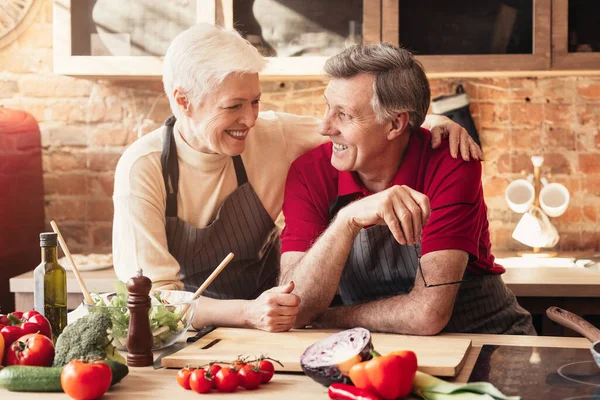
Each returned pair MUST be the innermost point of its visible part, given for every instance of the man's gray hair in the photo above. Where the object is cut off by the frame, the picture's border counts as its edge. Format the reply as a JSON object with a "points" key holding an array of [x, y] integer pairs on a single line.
{"points": [[200, 58], [400, 81]]}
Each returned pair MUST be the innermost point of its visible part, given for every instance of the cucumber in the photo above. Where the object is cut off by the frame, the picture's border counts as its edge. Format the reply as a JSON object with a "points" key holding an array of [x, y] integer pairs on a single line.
{"points": [[119, 371], [20, 378]]}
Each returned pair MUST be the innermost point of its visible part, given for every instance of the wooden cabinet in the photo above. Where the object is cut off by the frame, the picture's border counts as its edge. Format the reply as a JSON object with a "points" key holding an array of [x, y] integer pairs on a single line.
{"points": [[466, 36], [575, 35], [297, 36], [116, 39]]}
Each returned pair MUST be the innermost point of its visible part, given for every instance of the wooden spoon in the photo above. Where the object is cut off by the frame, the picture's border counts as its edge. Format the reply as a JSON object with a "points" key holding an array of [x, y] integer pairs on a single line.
{"points": [[86, 294], [212, 276], [208, 281]]}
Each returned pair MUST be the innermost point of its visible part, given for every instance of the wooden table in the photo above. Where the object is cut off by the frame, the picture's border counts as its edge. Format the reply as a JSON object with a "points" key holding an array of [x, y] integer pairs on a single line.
{"points": [[146, 383], [524, 282], [537, 288]]}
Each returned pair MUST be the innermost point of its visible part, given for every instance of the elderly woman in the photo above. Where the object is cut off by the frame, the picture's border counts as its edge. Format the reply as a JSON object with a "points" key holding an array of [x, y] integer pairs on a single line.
{"points": [[211, 181]]}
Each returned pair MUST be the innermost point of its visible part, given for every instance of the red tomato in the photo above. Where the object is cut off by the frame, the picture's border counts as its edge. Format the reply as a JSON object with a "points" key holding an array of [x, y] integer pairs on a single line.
{"points": [[18, 314], [4, 320], [213, 369], [34, 349], [249, 377], [266, 369], [183, 377], [227, 380], [86, 380], [199, 382]]}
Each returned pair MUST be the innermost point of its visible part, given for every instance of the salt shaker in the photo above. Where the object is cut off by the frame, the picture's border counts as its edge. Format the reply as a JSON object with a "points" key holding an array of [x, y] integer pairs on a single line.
{"points": [[139, 337]]}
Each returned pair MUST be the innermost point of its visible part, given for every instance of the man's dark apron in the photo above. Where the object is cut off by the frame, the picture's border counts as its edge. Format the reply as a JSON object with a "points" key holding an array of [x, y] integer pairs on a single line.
{"points": [[241, 226], [378, 267]]}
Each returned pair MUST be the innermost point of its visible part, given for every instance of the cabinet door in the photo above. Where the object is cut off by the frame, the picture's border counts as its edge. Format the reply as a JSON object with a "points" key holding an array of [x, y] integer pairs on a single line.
{"points": [[117, 38], [462, 37], [576, 34], [297, 36]]}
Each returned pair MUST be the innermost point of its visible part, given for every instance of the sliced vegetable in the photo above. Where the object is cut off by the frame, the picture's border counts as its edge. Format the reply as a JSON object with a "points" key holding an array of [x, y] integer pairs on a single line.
{"points": [[390, 376], [329, 360], [342, 391]]}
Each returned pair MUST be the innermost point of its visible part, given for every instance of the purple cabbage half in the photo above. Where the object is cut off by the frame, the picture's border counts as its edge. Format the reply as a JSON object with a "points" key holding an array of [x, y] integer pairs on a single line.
{"points": [[328, 360]]}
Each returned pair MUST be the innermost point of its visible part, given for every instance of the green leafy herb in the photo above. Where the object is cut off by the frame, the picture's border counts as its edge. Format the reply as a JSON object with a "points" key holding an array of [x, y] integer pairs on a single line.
{"points": [[164, 321]]}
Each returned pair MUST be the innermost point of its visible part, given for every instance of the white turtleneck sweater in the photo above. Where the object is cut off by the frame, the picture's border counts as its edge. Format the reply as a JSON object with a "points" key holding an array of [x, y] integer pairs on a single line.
{"points": [[205, 180]]}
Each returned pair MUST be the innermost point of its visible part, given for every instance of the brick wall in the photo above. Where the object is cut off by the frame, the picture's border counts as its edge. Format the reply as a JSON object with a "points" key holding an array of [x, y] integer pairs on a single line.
{"points": [[86, 125]]}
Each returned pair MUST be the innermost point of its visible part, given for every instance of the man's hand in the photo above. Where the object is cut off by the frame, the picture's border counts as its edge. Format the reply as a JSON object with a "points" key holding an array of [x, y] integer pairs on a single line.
{"points": [[404, 210], [274, 310], [442, 127]]}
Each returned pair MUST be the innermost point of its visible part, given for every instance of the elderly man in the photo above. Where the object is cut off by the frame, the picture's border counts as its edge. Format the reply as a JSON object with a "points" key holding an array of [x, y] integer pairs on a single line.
{"points": [[359, 209]]}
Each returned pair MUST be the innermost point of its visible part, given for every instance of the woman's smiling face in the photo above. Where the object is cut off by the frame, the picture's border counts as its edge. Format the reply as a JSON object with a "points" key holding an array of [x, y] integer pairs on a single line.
{"points": [[222, 120]]}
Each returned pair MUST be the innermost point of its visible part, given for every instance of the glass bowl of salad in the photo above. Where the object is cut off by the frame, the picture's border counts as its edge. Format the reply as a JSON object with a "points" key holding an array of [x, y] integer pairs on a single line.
{"points": [[170, 314]]}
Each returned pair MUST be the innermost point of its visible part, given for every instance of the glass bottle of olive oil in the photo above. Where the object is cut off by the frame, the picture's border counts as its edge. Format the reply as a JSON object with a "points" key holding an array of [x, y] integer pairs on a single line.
{"points": [[50, 285]]}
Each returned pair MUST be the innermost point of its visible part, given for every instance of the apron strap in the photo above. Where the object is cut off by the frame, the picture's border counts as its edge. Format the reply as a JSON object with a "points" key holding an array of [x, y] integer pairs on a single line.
{"points": [[170, 168], [339, 203], [240, 171]]}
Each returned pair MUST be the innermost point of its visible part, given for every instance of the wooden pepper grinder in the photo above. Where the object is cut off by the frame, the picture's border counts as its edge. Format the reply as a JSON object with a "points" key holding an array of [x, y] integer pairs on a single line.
{"points": [[139, 338]]}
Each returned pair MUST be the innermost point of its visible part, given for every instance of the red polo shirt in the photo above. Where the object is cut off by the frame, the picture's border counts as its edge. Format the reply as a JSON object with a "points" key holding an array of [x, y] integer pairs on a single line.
{"points": [[458, 218]]}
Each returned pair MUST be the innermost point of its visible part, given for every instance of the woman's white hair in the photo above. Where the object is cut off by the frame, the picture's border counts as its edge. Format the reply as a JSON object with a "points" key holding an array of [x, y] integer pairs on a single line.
{"points": [[200, 58]]}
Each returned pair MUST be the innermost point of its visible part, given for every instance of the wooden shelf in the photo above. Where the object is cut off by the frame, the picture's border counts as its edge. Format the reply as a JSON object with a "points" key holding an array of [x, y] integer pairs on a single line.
{"points": [[550, 55]]}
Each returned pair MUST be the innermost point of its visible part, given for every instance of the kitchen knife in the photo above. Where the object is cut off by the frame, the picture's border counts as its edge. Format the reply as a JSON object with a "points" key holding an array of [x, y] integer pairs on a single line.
{"points": [[180, 345]]}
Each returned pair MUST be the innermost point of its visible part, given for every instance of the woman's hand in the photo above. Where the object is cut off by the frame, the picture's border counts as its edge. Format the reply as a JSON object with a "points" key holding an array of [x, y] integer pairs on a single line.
{"points": [[442, 127], [274, 310]]}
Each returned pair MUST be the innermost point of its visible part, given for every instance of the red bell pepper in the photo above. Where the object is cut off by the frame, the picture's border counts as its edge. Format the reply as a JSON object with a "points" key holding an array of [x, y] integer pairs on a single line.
{"points": [[17, 324], [341, 391], [389, 376]]}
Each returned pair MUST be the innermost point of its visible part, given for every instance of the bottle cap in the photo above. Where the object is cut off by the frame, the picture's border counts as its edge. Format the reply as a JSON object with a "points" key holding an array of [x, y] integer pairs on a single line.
{"points": [[48, 239]]}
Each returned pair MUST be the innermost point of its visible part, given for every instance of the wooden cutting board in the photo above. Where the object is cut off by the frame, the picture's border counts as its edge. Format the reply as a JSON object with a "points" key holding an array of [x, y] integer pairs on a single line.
{"points": [[436, 355]]}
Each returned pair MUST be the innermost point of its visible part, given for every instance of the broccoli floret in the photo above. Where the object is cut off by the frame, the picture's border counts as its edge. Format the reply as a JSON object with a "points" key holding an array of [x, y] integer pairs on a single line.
{"points": [[86, 338]]}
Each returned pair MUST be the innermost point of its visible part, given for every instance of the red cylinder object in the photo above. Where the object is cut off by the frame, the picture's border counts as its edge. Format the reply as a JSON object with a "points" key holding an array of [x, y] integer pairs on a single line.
{"points": [[21, 198]]}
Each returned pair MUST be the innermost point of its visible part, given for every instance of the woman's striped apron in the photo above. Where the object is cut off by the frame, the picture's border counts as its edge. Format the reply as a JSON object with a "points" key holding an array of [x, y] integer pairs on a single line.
{"points": [[241, 226]]}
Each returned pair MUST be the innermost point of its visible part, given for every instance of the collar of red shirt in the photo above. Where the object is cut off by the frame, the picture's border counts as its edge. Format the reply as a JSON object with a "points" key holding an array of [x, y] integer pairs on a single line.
{"points": [[349, 181]]}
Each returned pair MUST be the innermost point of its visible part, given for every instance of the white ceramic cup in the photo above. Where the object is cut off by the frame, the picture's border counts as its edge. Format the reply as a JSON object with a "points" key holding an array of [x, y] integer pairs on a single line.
{"points": [[519, 195], [535, 230], [554, 199]]}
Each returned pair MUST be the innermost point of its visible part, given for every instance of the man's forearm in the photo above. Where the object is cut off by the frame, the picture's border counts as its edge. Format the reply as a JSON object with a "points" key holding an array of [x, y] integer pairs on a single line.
{"points": [[220, 313], [317, 273], [399, 314]]}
